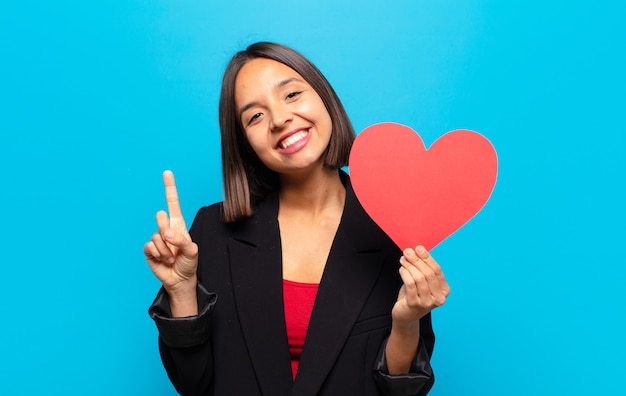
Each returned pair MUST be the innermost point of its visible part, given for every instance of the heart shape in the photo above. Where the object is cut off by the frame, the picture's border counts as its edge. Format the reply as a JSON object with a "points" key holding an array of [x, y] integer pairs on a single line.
{"points": [[420, 196]]}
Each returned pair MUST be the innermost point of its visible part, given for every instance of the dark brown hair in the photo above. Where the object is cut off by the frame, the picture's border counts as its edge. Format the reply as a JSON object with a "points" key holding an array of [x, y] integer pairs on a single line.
{"points": [[246, 179]]}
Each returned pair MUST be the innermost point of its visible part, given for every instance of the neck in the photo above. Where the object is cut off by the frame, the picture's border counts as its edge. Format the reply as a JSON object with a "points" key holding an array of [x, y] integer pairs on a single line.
{"points": [[313, 193]]}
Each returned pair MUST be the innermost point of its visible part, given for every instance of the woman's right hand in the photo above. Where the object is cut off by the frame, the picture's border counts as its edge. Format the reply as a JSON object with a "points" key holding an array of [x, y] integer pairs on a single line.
{"points": [[172, 255]]}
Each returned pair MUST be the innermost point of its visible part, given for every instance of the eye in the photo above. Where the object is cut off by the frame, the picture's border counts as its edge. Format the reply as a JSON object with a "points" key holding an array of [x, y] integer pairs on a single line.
{"points": [[292, 95], [254, 118]]}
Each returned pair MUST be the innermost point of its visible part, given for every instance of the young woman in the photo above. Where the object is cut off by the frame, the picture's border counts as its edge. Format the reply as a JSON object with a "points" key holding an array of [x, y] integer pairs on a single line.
{"points": [[288, 287]]}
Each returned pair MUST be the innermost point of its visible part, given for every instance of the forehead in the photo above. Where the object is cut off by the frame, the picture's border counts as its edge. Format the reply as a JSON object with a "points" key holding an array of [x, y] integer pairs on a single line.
{"points": [[261, 75]]}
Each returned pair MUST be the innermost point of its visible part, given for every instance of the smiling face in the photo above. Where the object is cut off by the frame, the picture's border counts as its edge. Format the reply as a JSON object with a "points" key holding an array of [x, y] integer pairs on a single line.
{"points": [[284, 119]]}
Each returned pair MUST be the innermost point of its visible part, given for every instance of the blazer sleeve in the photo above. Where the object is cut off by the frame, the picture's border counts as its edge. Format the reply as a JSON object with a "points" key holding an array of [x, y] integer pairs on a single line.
{"points": [[183, 332], [185, 343], [420, 378]]}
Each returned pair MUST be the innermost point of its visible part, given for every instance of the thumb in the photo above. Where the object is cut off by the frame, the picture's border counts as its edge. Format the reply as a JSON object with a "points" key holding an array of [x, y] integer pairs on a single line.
{"points": [[182, 242]]}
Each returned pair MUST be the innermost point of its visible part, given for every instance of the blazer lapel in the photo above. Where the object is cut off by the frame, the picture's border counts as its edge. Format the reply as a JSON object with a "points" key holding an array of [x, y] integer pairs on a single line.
{"points": [[352, 269], [255, 260]]}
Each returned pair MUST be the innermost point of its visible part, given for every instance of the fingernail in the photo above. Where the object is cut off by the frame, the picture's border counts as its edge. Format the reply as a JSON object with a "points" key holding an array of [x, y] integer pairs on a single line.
{"points": [[171, 260], [408, 252], [420, 249]]}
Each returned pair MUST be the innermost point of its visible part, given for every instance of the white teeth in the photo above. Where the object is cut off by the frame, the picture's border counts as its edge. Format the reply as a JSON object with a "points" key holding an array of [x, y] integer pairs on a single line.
{"points": [[296, 137]]}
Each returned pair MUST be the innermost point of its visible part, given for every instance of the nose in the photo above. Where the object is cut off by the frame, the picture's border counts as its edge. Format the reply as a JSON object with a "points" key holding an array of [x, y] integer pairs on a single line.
{"points": [[280, 116]]}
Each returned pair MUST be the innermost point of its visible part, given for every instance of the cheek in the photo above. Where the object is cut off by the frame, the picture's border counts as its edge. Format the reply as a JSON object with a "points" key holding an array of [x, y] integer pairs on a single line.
{"points": [[256, 141], [325, 116], [329, 124], [316, 110]]}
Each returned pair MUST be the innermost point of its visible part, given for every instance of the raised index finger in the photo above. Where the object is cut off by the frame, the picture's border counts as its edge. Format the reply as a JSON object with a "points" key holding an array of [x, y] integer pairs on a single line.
{"points": [[171, 195]]}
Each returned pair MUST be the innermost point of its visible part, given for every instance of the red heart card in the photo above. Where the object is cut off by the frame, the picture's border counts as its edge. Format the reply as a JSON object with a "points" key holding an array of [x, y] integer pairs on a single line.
{"points": [[419, 196]]}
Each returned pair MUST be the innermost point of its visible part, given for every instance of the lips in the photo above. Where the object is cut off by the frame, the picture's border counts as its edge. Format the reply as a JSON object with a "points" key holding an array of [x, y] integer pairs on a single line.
{"points": [[292, 138], [296, 137]]}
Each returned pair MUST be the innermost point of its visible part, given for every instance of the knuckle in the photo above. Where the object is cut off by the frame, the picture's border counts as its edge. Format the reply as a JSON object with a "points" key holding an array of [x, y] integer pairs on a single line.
{"points": [[419, 277], [147, 248], [150, 251], [410, 286], [192, 248], [430, 276]]}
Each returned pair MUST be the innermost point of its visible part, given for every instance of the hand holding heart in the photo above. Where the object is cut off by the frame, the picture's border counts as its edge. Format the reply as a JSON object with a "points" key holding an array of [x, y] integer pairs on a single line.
{"points": [[420, 196], [424, 288]]}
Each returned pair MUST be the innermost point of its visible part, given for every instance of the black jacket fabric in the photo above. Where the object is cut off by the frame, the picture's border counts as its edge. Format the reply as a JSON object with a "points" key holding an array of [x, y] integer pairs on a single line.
{"points": [[237, 345]]}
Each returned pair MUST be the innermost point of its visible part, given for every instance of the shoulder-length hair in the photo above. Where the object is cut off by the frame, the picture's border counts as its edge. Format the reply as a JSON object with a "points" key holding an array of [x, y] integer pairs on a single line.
{"points": [[246, 179]]}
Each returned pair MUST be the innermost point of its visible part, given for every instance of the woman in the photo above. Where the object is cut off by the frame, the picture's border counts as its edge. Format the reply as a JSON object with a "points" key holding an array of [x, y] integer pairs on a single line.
{"points": [[288, 287]]}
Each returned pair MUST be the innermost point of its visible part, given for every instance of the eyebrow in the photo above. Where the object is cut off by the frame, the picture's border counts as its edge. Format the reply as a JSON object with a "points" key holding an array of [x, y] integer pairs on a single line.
{"points": [[280, 84]]}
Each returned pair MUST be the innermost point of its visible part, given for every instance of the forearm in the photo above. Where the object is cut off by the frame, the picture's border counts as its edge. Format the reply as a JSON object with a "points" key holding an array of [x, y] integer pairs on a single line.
{"points": [[184, 301], [402, 347]]}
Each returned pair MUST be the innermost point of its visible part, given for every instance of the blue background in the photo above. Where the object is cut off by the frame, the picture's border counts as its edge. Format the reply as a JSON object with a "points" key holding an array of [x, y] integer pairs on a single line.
{"points": [[97, 98]]}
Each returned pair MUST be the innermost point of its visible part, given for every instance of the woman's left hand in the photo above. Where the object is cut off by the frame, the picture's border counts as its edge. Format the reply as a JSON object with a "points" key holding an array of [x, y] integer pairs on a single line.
{"points": [[424, 289]]}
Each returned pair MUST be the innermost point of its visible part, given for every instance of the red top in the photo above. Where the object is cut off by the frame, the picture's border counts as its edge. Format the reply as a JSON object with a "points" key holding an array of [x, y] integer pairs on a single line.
{"points": [[299, 298]]}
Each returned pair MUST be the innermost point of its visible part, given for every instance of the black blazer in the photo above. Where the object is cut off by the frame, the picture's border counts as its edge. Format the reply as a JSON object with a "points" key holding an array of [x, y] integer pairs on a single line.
{"points": [[237, 345]]}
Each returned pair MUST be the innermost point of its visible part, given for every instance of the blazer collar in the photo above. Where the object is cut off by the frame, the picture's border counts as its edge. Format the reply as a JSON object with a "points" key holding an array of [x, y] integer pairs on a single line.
{"points": [[255, 260]]}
